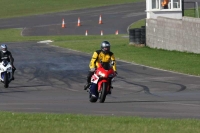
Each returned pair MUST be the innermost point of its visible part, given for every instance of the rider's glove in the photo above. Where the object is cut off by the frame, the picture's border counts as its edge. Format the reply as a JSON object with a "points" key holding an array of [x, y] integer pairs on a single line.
{"points": [[116, 73], [92, 69]]}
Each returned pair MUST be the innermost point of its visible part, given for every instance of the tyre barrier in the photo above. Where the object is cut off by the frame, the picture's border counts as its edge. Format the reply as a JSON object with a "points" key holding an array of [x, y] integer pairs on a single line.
{"points": [[131, 35], [137, 35]]}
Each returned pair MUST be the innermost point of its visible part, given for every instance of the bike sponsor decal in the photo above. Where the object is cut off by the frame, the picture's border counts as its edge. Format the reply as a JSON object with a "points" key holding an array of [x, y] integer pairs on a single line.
{"points": [[94, 79]]}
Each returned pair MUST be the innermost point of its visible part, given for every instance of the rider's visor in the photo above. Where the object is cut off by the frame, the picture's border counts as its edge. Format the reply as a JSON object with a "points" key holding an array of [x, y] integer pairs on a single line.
{"points": [[4, 49]]}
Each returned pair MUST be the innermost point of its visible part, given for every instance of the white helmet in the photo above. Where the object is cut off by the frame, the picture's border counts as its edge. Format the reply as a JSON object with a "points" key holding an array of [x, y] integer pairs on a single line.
{"points": [[3, 48]]}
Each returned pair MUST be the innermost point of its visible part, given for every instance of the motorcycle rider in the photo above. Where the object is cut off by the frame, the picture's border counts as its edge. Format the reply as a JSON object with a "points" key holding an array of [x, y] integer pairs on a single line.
{"points": [[103, 55], [5, 54]]}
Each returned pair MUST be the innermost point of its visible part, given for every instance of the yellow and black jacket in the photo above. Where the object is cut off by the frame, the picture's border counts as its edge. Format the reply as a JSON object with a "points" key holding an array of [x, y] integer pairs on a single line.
{"points": [[100, 56]]}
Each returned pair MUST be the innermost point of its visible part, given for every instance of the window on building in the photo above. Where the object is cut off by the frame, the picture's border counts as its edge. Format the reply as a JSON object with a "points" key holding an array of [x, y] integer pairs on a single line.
{"points": [[176, 3], [155, 4], [165, 4]]}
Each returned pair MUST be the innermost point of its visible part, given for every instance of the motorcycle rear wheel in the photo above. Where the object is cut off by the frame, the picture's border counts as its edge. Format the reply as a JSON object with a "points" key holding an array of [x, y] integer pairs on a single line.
{"points": [[103, 92]]}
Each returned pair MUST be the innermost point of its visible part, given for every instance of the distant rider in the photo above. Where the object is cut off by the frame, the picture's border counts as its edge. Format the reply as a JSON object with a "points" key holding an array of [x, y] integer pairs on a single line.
{"points": [[6, 55], [103, 55]]}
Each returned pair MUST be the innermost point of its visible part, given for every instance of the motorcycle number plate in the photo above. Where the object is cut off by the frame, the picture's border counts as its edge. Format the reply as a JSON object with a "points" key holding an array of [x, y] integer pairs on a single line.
{"points": [[94, 79]]}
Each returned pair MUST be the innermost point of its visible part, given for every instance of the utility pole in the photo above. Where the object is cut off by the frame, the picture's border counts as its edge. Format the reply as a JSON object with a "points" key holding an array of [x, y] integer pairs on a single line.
{"points": [[183, 8]]}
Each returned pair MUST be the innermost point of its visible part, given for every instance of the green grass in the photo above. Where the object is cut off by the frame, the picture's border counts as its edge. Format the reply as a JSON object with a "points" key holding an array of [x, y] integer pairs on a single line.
{"points": [[182, 62], [137, 24], [187, 63], [14, 8], [190, 12], [64, 123], [67, 123]]}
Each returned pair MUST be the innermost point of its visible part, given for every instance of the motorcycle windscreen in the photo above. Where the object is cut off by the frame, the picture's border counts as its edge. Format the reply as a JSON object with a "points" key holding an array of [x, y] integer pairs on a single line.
{"points": [[106, 65]]}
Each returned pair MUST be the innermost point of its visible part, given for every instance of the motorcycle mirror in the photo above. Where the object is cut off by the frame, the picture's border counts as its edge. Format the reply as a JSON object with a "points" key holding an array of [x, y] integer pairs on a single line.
{"points": [[112, 63]]}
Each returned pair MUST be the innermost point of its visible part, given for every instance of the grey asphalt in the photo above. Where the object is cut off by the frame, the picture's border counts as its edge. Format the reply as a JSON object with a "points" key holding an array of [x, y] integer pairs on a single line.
{"points": [[50, 79], [117, 17]]}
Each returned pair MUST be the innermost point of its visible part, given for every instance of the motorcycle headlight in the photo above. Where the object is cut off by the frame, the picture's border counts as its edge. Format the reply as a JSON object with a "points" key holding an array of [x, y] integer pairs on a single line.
{"points": [[9, 68], [111, 75], [5, 63], [101, 74]]}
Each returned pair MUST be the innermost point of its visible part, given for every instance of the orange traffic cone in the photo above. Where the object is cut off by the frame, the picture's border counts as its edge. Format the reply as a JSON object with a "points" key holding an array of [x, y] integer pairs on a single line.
{"points": [[100, 20], [101, 33], [116, 33], [86, 33], [79, 22], [63, 23]]}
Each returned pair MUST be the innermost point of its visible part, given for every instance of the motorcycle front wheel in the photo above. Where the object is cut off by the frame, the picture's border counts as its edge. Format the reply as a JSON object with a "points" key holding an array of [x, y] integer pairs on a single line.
{"points": [[6, 82], [103, 92], [92, 98]]}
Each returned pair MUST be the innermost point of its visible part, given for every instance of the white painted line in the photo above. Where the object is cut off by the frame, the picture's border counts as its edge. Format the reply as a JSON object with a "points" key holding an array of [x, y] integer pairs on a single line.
{"points": [[139, 64], [45, 41], [133, 63], [22, 31]]}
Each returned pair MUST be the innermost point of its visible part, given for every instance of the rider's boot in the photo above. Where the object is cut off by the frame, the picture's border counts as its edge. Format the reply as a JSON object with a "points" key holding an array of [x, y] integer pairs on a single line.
{"points": [[13, 71], [109, 92], [86, 86], [111, 87]]}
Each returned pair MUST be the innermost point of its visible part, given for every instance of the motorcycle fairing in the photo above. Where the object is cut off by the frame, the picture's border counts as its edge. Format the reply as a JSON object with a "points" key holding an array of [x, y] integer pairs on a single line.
{"points": [[100, 84], [94, 79], [3, 75], [93, 89]]}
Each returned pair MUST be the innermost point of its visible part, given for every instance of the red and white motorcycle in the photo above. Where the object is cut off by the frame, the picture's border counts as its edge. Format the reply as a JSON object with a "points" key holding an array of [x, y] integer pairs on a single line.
{"points": [[101, 82]]}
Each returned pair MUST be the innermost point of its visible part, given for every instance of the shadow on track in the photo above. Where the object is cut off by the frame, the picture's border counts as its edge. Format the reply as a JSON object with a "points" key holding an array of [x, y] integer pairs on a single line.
{"points": [[182, 87], [147, 101]]}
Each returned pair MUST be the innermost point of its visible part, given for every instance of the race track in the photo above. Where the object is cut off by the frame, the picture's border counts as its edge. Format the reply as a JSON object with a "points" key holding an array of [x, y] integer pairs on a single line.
{"points": [[50, 79]]}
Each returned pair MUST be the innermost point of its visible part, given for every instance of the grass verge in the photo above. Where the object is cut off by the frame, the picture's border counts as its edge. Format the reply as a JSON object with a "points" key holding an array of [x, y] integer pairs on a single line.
{"points": [[67, 123], [139, 23], [187, 63], [15, 8], [58, 123]]}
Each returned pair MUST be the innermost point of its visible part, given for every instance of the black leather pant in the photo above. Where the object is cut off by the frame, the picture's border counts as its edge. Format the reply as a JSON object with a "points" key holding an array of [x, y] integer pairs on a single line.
{"points": [[89, 76]]}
